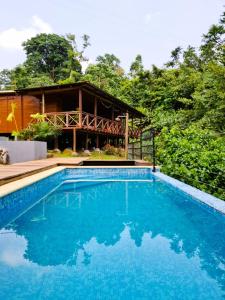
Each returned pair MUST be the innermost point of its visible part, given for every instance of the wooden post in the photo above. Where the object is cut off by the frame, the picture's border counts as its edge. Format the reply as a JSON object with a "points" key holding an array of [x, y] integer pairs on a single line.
{"points": [[80, 107], [132, 128], [43, 103], [74, 140], [126, 135], [153, 150], [95, 113], [133, 150], [141, 154]]}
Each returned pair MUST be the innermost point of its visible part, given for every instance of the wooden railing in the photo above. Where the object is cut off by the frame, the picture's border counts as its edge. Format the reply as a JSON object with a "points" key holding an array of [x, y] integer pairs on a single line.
{"points": [[75, 119], [63, 119]]}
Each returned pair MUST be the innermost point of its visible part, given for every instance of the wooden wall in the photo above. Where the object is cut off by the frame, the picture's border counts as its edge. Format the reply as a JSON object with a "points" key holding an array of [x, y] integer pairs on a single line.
{"points": [[26, 105]]}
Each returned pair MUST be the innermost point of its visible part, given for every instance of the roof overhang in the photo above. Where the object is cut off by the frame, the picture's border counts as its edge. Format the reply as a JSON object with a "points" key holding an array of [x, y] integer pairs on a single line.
{"points": [[86, 86]]}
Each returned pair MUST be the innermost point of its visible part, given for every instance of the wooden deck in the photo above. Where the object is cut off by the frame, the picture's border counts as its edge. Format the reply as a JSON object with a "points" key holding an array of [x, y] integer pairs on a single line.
{"points": [[20, 170]]}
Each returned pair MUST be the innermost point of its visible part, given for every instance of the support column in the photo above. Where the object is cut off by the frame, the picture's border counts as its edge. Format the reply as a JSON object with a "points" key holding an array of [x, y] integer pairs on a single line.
{"points": [[43, 103], [126, 135], [141, 153], [95, 112], [80, 107], [74, 140]]}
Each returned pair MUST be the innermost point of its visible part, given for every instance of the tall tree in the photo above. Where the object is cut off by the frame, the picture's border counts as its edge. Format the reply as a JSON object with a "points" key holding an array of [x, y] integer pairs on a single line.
{"points": [[5, 79], [106, 74], [137, 66], [49, 54], [175, 57]]}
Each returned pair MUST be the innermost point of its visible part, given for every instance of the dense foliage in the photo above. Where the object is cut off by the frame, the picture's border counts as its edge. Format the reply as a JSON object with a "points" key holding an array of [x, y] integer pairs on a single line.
{"points": [[184, 100], [195, 156], [39, 130]]}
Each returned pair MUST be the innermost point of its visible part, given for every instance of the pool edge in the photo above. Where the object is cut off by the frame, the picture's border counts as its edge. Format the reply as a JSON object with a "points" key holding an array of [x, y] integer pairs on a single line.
{"points": [[197, 194], [16, 185]]}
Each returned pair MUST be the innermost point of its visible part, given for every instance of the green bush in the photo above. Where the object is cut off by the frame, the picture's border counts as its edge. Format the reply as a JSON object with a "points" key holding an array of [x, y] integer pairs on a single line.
{"points": [[40, 131], [120, 152], [109, 150], [67, 152], [195, 156]]}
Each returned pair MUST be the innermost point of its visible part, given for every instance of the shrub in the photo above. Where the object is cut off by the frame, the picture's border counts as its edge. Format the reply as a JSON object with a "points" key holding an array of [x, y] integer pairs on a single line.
{"points": [[67, 152], [40, 130], [195, 156], [109, 150], [120, 152]]}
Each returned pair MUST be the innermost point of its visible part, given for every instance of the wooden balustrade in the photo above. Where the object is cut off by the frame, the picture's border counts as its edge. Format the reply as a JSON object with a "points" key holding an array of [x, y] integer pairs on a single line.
{"points": [[75, 119]]}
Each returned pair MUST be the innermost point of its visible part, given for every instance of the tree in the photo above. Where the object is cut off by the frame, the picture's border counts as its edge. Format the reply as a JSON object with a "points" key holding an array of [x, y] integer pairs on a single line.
{"points": [[5, 80], [191, 59], [48, 54], [213, 44], [175, 55], [137, 66], [106, 74], [75, 58]]}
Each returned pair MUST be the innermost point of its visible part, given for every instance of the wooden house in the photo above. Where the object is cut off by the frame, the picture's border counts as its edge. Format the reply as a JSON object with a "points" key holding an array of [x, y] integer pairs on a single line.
{"points": [[88, 115]]}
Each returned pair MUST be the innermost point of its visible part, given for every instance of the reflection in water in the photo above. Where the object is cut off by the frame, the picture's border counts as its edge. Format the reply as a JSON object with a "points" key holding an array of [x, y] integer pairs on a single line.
{"points": [[140, 238]]}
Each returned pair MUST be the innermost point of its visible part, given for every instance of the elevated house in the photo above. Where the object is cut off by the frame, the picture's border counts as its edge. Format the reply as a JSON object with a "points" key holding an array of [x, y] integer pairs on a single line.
{"points": [[88, 115]]}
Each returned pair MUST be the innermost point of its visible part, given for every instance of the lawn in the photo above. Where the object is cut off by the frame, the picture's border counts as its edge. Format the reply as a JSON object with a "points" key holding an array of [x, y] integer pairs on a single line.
{"points": [[93, 156]]}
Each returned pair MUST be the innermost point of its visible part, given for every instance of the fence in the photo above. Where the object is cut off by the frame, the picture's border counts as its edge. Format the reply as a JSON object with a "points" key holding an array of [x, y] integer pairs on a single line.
{"points": [[144, 147]]}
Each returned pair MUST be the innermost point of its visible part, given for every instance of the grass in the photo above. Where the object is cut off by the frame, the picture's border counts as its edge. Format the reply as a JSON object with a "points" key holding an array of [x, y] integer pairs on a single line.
{"points": [[103, 156], [93, 156]]}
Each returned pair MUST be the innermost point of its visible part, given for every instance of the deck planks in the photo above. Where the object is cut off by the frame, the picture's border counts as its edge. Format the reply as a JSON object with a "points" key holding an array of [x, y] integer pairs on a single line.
{"points": [[20, 170]]}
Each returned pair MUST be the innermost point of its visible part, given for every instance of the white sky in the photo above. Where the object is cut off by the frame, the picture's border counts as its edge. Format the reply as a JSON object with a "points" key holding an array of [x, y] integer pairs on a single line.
{"points": [[122, 27]]}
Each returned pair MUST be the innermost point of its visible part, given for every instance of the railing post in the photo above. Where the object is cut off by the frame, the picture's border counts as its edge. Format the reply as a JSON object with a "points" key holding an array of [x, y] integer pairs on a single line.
{"points": [[67, 119], [95, 113], [80, 107], [126, 135], [87, 120], [74, 140], [55, 122], [152, 132], [141, 154], [43, 103], [133, 150]]}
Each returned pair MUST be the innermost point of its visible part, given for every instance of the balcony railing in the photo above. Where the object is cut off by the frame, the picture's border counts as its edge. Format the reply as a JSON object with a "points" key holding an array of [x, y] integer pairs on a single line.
{"points": [[75, 119]]}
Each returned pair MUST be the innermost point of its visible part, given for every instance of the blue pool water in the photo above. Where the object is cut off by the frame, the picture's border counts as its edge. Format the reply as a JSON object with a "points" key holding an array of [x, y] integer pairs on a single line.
{"points": [[75, 235]]}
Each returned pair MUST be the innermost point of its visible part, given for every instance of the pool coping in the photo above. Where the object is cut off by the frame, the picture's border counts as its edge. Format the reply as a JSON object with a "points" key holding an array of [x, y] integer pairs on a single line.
{"points": [[197, 194], [16, 185]]}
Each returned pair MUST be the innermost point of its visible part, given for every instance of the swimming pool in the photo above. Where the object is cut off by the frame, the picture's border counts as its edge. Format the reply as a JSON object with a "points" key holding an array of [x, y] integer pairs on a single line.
{"points": [[109, 233]]}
